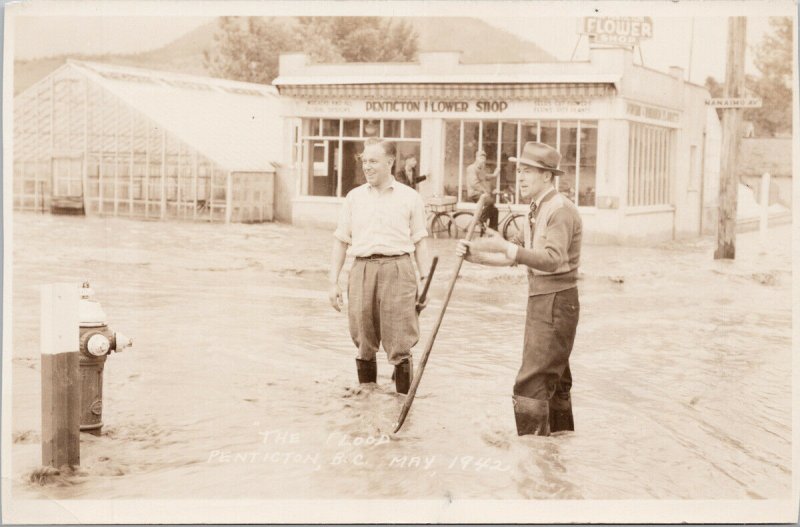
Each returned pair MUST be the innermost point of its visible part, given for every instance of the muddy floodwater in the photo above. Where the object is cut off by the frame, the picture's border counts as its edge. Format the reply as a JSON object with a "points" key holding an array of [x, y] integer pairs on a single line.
{"points": [[242, 384]]}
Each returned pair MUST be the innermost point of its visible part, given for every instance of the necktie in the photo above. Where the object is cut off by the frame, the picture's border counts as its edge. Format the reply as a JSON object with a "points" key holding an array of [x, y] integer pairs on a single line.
{"points": [[532, 221], [532, 213]]}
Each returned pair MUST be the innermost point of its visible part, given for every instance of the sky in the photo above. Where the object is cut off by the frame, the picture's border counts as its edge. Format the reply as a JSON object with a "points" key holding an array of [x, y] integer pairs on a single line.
{"points": [[97, 35], [672, 42], [671, 45]]}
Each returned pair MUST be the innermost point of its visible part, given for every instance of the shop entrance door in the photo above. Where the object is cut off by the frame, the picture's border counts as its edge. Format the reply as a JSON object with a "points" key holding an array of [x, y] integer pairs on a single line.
{"points": [[323, 167]]}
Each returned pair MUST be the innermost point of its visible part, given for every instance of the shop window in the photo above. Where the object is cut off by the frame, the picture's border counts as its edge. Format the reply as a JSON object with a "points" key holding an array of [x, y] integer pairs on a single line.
{"points": [[412, 129], [650, 166], [330, 127], [331, 165], [391, 129], [501, 140], [452, 157], [372, 128], [587, 177], [507, 179], [352, 128]]}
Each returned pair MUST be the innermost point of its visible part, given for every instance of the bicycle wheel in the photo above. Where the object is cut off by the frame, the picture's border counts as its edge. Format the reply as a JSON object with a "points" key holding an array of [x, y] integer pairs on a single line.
{"points": [[461, 221], [441, 225], [513, 226]]}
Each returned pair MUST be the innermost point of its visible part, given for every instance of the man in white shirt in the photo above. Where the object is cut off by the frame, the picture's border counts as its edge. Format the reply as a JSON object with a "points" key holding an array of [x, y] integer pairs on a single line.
{"points": [[478, 183], [383, 223]]}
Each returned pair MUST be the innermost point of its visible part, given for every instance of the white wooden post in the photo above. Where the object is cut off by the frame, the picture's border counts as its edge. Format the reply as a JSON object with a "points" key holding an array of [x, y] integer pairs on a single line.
{"points": [[61, 398], [762, 226], [229, 197]]}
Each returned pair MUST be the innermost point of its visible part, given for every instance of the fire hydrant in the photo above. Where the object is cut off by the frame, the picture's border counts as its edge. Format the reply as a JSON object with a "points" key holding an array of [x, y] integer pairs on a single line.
{"points": [[96, 342]]}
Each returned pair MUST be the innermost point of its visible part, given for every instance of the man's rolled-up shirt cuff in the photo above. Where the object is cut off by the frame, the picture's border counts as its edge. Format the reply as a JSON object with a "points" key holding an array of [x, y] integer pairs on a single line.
{"points": [[511, 251], [342, 237], [417, 236]]}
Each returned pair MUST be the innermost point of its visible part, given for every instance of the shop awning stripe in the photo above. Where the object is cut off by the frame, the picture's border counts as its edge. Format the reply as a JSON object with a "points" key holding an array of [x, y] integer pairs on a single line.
{"points": [[451, 91]]}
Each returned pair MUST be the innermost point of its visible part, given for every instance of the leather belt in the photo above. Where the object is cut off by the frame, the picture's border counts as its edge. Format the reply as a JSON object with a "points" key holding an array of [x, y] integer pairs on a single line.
{"points": [[380, 256]]}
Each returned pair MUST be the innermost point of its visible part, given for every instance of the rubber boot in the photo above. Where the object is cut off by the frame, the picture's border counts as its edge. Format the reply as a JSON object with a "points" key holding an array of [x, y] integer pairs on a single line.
{"points": [[403, 375], [561, 413], [367, 370], [532, 416]]}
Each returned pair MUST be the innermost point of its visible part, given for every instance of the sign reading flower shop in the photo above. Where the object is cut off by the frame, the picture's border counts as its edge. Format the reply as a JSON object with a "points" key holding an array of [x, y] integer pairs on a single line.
{"points": [[620, 31]]}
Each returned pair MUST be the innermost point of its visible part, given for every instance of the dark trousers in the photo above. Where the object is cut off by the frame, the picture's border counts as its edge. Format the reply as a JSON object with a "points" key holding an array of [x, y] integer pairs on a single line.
{"points": [[550, 327], [490, 212]]}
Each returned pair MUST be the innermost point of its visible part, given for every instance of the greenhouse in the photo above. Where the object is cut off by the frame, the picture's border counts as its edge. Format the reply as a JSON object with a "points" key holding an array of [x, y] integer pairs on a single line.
{"points": [[106, 140]]}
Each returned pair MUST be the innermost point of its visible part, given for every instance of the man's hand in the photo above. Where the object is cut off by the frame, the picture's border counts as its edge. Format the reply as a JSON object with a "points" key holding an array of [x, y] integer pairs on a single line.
{"points": [[463, 250], [423, 305], [335, 297]]}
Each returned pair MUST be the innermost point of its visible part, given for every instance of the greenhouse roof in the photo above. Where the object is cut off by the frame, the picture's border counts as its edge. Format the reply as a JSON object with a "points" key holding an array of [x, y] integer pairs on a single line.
{"points": [[234, 124]]}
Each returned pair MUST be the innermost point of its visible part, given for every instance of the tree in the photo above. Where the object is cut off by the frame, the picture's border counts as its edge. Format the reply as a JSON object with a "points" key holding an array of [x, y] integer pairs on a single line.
{"points": [[248, 49], [773, 58]]}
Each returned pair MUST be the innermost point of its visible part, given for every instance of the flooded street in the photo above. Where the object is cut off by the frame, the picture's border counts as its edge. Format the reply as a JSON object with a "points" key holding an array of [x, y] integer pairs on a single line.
{"points": [[242, 383]]}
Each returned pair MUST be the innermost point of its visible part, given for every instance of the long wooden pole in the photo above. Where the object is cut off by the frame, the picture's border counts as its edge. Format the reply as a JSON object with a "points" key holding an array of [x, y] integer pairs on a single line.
{"points": [[424, 360], [61, 398], [731, 125]]}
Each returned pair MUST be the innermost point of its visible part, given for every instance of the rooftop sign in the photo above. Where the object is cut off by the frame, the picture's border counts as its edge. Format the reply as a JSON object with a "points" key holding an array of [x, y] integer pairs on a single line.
{"points": [[625, 31]]}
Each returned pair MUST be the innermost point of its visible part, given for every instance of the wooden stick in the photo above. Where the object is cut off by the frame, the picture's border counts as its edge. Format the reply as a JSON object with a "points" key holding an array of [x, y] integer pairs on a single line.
{"points": [[428, 280], [421, 368], [61, 414]]}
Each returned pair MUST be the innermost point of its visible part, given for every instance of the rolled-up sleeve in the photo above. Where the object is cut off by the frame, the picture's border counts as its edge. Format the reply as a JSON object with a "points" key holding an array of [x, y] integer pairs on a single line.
{"points": [[344, 229], [418, 229]]}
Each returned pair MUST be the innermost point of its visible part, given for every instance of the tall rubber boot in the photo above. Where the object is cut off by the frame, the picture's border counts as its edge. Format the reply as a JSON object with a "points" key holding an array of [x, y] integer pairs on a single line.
{"points": [[532, 416], [561, 413], [403, 375], [367, 370]]}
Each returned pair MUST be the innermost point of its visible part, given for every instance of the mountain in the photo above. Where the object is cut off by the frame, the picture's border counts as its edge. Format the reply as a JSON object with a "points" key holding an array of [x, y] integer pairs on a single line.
{"points": [[478, 42]]}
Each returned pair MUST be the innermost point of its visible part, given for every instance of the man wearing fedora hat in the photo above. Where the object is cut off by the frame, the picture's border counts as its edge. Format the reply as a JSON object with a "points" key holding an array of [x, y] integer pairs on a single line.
{"points": [[550, 247]]}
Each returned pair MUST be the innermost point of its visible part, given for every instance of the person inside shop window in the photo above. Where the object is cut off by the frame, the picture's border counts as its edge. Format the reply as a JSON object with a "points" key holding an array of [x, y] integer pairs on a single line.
{"points": [[407, 173], [479, 182]]}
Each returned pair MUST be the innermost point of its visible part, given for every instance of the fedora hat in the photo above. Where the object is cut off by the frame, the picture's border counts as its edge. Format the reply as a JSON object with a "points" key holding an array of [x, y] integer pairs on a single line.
{"points": [[539, 155]]}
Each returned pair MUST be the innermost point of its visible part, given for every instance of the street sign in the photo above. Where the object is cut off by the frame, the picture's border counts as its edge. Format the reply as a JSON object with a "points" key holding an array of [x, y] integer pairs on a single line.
{"points": [[734, 102], [624, 31]]}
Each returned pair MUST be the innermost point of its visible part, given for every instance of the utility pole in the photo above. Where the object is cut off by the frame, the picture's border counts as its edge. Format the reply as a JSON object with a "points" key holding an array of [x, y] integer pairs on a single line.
{"points": [[731, 140]]}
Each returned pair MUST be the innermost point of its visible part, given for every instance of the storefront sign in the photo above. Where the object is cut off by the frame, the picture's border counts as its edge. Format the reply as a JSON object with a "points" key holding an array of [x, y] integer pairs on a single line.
{"points": [[348, 108], [734, 102], [650, 112], [626, 31], [327, 106], [437, 106], [561, 106]]}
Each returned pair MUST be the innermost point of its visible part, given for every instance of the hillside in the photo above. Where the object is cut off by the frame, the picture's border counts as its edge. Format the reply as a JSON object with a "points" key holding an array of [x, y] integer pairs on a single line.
{"points": [[479, 43]]}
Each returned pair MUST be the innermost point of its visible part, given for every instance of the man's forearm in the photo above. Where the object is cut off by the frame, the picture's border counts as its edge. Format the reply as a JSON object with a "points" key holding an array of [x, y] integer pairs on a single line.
{"points": [[492, 259], [338, 256], [422, 257]]}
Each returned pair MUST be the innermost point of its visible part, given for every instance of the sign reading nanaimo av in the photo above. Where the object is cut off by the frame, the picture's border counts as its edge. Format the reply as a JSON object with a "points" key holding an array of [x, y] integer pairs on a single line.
{"points": [[627, 31], [734, 102]]}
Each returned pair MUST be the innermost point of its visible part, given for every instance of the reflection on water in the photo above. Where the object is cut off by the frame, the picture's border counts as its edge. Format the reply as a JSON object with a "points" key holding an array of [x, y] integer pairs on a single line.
{"points": [[242, 380]]}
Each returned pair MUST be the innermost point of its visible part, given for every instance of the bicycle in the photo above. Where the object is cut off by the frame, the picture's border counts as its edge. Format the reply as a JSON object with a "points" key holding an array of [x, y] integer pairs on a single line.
{"points": [[508, 225], [440, 216]]}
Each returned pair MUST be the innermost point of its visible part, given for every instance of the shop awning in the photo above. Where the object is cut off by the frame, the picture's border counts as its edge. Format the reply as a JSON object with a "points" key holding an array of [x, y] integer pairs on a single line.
{"points": [[516, 91]]}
